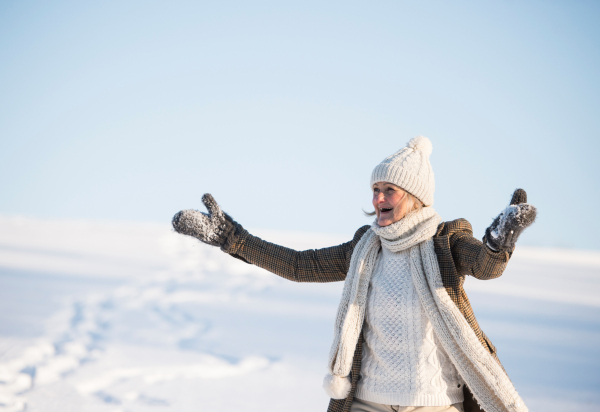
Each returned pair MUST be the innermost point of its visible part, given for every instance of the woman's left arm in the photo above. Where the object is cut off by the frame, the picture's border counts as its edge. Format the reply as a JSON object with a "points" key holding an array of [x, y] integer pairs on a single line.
{"points": [[472, 257], [488, 259]]}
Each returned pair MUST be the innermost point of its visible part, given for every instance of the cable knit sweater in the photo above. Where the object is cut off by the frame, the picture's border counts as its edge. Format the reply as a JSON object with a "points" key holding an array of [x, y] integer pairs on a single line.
{"points": [[403, 363]]}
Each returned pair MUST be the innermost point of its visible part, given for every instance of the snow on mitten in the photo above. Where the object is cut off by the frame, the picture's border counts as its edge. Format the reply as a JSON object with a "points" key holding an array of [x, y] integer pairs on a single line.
{"points": [[213, 228], [504, 231]]}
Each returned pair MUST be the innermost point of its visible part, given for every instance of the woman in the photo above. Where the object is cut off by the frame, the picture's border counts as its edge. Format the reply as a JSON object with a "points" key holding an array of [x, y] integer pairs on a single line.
{"points": [[406, 338]]}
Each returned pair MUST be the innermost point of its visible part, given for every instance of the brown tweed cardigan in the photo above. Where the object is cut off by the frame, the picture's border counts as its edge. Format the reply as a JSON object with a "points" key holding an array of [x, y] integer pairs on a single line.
{"points": [[458, 253]]}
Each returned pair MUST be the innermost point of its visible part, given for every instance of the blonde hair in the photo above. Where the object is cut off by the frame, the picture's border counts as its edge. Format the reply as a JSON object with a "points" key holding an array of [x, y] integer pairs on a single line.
{"points": [[409, 203]]}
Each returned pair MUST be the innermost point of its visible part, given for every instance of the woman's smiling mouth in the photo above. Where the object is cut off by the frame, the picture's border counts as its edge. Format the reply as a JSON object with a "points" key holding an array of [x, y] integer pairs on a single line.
{"points": [[386, 209]]}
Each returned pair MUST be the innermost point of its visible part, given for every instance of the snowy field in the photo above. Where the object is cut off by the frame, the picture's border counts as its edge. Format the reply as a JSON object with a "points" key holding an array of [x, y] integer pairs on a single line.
{"points": [[102, 316]]}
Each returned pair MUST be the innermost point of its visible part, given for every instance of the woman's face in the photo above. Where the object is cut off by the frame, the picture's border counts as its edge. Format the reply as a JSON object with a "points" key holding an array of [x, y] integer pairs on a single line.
{"points": [[388, 200]]}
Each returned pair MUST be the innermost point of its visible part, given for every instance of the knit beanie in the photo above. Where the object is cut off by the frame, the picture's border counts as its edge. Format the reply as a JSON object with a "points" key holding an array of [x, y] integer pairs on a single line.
{"points": [[409, 168]]}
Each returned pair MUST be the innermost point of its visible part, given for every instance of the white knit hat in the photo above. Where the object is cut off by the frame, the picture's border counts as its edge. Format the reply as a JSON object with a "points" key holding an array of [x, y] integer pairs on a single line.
{"points": [[409, 168]]}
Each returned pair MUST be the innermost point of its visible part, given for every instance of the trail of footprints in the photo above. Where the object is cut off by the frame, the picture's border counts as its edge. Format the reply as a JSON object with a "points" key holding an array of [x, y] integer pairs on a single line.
{"points": [[81, 333]]}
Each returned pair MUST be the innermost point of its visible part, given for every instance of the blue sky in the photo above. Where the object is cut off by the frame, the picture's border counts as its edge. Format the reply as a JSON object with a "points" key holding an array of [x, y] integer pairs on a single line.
{"points": [[132, 110]]}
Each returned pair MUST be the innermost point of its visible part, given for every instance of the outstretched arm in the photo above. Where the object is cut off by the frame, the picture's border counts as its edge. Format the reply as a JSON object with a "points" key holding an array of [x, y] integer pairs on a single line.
{"points": [[472, 257], [216, 228], [322, 265], [488, 259]]}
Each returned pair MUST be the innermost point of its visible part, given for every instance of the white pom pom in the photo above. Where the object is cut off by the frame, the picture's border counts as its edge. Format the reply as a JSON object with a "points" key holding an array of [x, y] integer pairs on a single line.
{"points": [[337, 387], [421, 143]]}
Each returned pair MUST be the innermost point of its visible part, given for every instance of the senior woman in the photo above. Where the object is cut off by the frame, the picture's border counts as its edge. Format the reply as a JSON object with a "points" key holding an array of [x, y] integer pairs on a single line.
{"points": [[405, 336]]}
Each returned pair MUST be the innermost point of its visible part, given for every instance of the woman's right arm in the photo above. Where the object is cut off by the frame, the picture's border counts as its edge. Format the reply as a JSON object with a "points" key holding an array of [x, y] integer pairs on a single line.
{"points": [[322, 265], [218, 229]]}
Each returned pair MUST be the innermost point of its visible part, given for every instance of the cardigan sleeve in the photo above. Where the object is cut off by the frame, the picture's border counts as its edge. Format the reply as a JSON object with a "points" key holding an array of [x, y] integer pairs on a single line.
{"points": [[321, 265], [472, 257]]}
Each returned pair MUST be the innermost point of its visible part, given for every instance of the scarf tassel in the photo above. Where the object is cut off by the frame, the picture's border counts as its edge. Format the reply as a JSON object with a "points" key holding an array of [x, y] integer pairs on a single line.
{"points": [[337, 387]]}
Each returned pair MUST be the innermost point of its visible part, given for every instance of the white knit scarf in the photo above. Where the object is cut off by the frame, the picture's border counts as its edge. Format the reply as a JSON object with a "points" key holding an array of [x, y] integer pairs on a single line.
{"points": [[488, 382]]}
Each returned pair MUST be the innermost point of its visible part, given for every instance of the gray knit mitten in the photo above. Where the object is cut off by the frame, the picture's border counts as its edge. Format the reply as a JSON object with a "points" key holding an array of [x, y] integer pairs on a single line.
{"points": [[504, 231], [215, 228]]}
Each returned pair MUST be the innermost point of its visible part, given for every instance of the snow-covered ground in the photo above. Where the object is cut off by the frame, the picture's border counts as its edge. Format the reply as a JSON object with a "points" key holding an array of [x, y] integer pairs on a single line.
{"points": [[104, 316]]}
